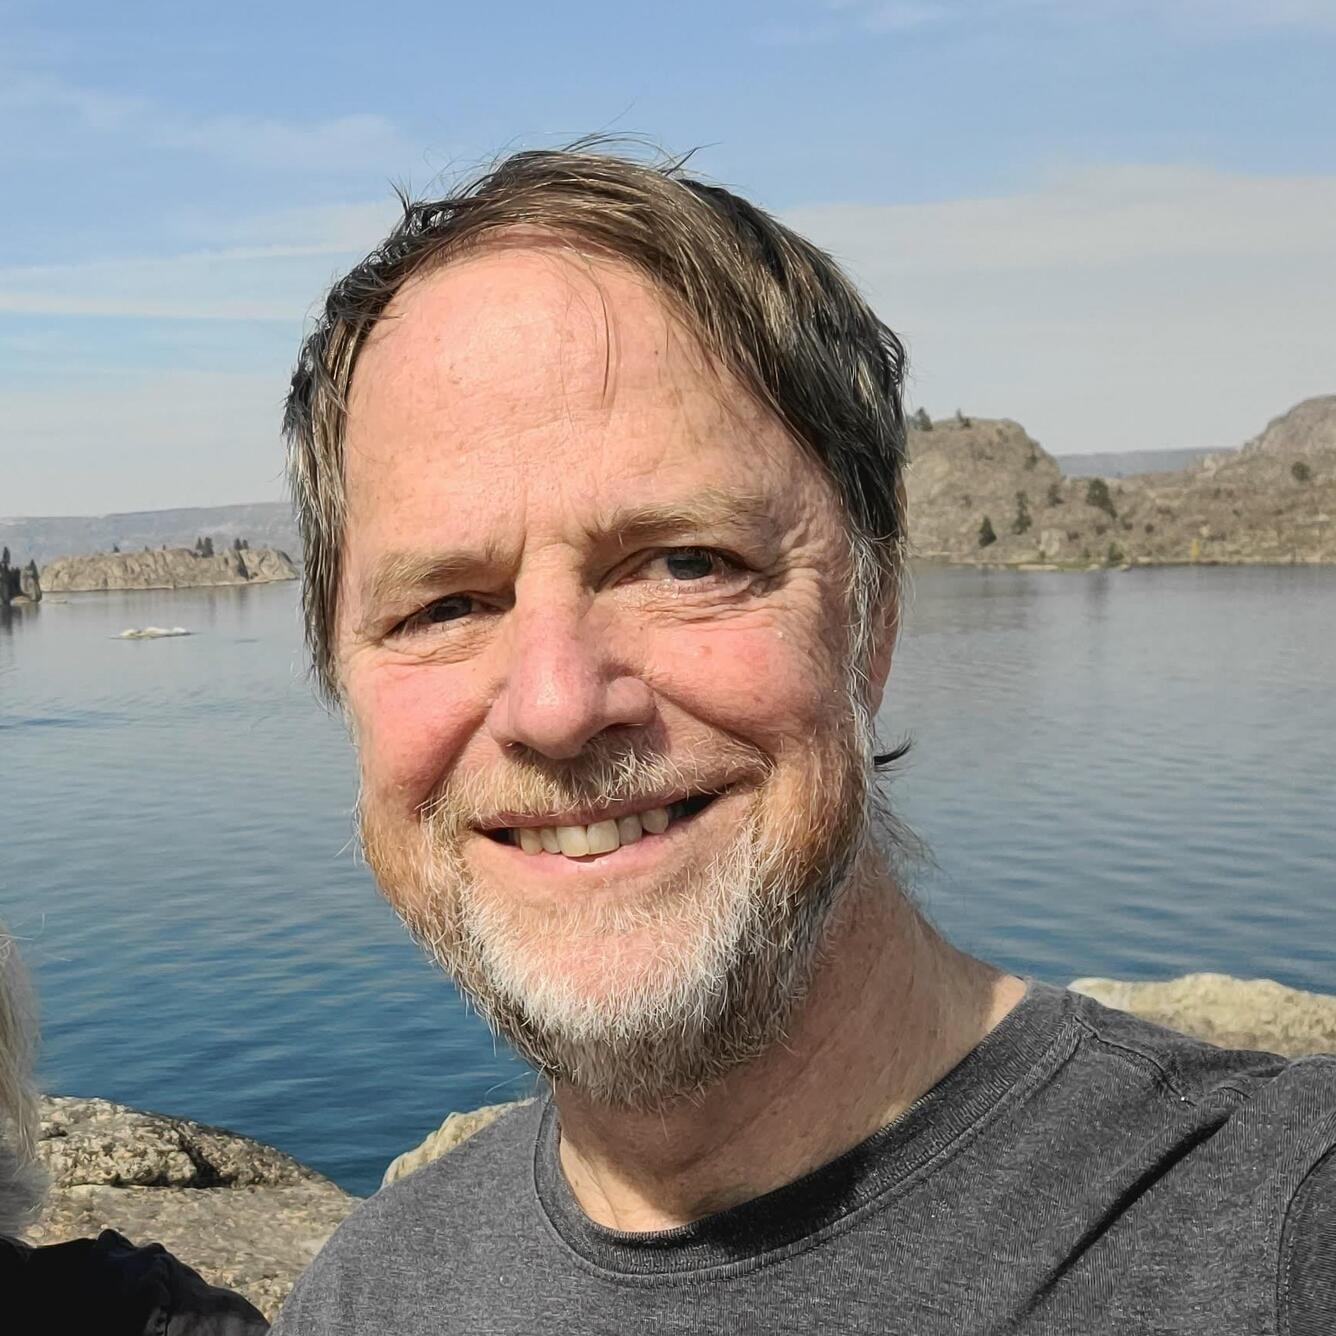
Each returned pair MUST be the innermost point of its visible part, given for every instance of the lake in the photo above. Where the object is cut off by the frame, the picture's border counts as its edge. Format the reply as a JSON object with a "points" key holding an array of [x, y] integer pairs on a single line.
{"points": [[1118, 773]]}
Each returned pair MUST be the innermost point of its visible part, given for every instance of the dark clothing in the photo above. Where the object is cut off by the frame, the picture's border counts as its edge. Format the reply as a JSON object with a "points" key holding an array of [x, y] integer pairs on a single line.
{"points": [[1080, 1171], [108, 1287]]}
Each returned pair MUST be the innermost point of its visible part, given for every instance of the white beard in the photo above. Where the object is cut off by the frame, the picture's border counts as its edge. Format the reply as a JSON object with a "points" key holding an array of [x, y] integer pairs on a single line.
{"points": [[732, 947]]}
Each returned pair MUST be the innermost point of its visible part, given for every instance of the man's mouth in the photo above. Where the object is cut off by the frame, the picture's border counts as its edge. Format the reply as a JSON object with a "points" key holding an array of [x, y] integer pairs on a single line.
{"points": [[583, 840]]}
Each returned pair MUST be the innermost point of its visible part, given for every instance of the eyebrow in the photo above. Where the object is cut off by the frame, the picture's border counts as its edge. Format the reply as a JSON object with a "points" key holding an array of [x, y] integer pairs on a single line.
{"points": [[397, 575]]}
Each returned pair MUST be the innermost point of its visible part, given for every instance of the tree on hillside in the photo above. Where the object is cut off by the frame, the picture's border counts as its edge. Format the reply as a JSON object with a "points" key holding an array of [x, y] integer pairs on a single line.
{"points": [[1097, 495], [921, 420], [1055, 494], [1022, 520], [1301, 471], [986, 535], [962, 419]]}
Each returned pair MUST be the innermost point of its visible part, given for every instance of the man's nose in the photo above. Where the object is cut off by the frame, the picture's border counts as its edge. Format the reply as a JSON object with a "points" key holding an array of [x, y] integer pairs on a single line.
{"points": [[564, 684]]}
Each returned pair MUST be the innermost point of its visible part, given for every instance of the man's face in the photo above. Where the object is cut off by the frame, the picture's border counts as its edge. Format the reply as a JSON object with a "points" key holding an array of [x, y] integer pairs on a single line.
{"points": [[591, 633]]}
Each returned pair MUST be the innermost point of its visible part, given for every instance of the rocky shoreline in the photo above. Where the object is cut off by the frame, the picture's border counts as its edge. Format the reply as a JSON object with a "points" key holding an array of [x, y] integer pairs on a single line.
{"points": [[250, 1217]]}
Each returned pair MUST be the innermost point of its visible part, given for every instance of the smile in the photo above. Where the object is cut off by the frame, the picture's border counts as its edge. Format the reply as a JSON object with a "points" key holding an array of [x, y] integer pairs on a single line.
{"points": [[584, 840]]}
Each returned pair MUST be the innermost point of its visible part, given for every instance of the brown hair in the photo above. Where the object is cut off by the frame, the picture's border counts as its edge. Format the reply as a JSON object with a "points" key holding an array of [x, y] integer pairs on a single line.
{"points": [[774, 309]]}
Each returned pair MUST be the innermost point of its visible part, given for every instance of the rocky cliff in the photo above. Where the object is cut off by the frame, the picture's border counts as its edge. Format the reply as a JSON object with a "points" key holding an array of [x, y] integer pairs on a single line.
{"points": [[166, 568], [983, 492]]}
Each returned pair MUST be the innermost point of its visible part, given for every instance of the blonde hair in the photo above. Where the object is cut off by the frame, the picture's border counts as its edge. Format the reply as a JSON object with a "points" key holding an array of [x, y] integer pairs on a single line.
{"points": [[22, 1179]]}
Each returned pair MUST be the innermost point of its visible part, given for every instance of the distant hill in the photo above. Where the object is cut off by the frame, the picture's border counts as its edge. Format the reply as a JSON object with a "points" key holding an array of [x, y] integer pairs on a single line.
{"points": [[982, 492], [45, 537], [1129, 463]]}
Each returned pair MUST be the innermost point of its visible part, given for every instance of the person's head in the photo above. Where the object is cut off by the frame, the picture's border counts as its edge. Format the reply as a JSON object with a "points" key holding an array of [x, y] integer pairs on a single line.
{"points": [[22, 1182], [599, 476]]}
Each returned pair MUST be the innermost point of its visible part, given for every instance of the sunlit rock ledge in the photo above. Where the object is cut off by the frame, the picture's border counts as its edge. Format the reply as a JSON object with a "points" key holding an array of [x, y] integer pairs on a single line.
{"points": [[247, 1216], [1233, 1013], [241, 1213]]}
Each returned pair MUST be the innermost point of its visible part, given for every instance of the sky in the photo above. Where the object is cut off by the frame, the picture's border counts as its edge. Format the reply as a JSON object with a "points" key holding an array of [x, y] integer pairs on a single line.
{"points": [[1113, 221]]}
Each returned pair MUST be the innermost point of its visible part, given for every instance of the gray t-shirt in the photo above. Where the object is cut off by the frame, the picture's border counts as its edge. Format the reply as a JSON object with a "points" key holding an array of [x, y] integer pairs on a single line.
{"points": [[1080, 1171]]}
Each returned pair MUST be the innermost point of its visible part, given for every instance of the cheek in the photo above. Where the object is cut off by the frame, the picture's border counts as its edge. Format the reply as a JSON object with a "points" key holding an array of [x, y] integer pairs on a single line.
{"points": [[756, 682], [413, 720]]}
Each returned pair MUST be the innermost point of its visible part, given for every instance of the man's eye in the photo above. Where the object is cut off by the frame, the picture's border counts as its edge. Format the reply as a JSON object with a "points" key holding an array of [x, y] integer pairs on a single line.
{"points": [[438, 611], [691, 563]]}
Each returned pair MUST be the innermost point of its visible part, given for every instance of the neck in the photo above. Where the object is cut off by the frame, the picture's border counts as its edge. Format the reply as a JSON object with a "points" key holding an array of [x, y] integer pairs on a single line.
{"points": [[890, 1011]]}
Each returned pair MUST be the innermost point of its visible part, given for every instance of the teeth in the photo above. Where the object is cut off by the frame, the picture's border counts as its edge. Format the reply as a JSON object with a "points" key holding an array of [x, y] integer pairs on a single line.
{"points": [[574, 840], [655, 821], [600, 838]]}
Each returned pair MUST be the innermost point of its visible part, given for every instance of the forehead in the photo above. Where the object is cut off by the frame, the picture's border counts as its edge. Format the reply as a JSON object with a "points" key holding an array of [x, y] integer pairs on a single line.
{"points": [[528, 375]]}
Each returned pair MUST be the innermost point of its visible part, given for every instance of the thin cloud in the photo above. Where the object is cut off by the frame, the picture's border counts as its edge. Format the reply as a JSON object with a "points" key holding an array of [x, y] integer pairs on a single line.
{"points": [[1114, 308], [1209, 17], [274, 282], [342, 144]]}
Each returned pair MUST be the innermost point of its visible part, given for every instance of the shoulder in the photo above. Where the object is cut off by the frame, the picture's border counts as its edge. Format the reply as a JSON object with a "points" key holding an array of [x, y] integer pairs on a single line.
{"points": [[1255, 1120], [1307, 1285], [382, 1252], [1194, 1071]]}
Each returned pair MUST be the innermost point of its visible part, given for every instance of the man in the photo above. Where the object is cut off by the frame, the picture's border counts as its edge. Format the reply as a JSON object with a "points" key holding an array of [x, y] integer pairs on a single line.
{"points": [[599, 470]]}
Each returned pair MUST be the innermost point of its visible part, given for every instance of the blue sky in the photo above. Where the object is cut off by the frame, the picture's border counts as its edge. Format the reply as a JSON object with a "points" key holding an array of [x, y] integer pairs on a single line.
{"points": [[1113, 220]]}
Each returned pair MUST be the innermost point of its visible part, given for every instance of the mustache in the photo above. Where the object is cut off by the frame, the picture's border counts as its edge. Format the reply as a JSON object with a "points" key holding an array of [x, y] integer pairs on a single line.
{"points": [[609, 770]]}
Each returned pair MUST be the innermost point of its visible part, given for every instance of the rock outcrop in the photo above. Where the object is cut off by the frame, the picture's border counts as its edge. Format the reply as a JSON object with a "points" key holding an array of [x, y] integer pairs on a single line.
{"points": [[1234, 1013], [241, 1213], [166, 568], [18, 584], [984, 493]]}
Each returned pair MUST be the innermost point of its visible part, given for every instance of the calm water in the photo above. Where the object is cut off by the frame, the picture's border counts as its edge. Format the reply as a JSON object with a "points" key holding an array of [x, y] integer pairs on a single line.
{"points": [[1125, 774]]}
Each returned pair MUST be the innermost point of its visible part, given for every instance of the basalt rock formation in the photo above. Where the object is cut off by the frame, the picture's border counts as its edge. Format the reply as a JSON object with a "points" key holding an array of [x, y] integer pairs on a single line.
{"points": [[166, 568], [241, 1213], [1273, 501]]}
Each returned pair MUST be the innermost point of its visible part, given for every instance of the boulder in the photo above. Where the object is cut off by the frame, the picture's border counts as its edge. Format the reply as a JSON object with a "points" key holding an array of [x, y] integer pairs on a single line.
{"points": [[1234, 1013], [241, 1213]]}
